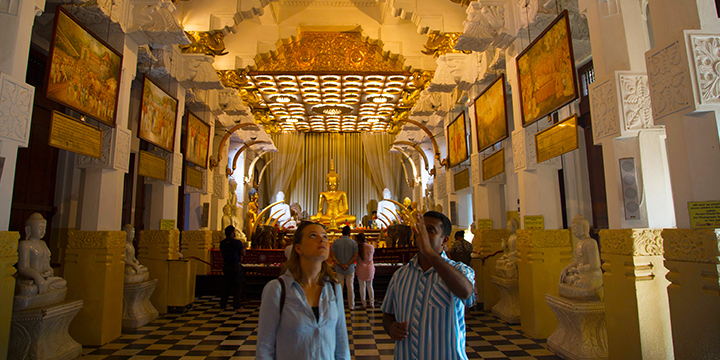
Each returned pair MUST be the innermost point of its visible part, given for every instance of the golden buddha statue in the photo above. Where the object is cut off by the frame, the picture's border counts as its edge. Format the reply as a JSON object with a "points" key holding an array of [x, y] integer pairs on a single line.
{"points": [[251, 214], [336, 212]]}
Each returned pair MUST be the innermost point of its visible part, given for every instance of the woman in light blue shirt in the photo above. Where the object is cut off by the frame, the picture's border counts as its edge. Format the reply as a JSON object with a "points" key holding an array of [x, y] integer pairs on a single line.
{"points": [[308, 321]]}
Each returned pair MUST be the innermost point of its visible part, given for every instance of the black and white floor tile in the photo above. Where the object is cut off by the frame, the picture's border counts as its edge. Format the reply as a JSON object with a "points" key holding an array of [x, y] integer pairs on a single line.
{"points": [[207, 332]]}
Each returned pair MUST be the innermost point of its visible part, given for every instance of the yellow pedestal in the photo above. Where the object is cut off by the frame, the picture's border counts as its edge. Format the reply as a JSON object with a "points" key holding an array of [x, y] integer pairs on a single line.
{"points": [[198, 244], [543, 255], [490, 243], [636, 299], [182, 277], [8, 258], [692, 258], [156, 248], [94, 270]]}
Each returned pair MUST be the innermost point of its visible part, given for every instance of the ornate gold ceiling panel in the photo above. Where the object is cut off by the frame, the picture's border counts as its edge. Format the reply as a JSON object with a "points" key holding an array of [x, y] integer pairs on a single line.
{"points": [[205, 42], [325, 51], [442, 43], [323, 81]]}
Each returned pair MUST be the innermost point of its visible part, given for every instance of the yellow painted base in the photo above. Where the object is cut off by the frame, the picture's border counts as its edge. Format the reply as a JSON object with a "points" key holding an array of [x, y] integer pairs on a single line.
{"points": [[8, 257], [543, 255], [692, 258], [94, 270], [197, 244], [182, 277], [157, 249], [636, 300]]}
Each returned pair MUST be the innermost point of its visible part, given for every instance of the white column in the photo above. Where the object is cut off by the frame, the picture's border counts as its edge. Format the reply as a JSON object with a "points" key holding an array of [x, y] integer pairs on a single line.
{"points": [[16, 97], [100, 206], [621, 117]]}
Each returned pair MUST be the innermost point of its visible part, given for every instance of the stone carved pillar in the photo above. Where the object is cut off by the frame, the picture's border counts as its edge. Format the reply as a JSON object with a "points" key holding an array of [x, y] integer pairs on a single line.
{"points": [[8, 258], [489, 243], [680, 77], [636, 300], [693, 261], [198, 244], [543, 255], [95, 272]]}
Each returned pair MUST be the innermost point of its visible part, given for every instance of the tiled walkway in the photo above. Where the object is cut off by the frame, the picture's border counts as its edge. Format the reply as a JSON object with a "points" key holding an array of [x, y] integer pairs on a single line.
{"points": [[206, 332]]}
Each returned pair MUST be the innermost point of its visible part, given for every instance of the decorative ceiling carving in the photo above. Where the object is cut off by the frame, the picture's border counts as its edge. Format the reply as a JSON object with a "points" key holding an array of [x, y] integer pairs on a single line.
{"points": [[442, 43], [205, 42], [325, 51]]}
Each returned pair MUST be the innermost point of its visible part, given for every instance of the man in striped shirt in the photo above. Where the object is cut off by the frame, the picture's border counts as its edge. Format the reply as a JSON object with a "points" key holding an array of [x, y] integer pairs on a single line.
{"points": [[424, 306]]}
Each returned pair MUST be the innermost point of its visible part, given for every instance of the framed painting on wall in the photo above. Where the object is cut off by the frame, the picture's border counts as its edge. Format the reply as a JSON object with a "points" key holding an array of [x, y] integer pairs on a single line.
{"points": [[84, 71], [546, 72], [491, 115], [158, 116], [198, 140], [457, 147]]}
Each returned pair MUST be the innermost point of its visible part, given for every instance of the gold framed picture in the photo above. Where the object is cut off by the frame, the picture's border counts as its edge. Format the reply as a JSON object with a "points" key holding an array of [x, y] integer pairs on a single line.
{"points": [[546, 72], [457, 147], [491, 115], [84, 71], [158, 116], [197, 141]]}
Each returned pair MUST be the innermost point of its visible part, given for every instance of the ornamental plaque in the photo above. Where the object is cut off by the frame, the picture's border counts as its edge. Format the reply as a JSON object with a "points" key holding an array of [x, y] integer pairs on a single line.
{"points": [[193, 177], [72, 135], [556, 140], [493, 165], [151, 166]]}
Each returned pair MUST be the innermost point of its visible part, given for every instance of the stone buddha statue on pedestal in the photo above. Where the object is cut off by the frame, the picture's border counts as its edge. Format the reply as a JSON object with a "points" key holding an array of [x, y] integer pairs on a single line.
{"points": [[134, 272], [336, 212], [582, 278], [506, 266], [35, 285]]}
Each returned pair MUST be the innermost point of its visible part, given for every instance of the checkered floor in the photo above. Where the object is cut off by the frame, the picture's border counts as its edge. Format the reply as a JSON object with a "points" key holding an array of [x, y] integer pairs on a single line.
{"points": [[207, 332]]}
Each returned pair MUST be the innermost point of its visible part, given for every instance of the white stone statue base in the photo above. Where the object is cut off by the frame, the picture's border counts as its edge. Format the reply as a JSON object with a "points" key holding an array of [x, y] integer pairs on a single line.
{"points": [[42, 333], [136, 278], [508, 308], [137, 309], [581, 331]]}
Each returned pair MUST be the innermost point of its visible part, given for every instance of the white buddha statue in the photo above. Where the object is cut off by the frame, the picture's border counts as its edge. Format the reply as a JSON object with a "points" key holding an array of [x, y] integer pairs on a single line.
{"points": [[134, 272], [386, 211], [36, 286], [281, 212], [506, 266], [227, 216], [582, 278]]}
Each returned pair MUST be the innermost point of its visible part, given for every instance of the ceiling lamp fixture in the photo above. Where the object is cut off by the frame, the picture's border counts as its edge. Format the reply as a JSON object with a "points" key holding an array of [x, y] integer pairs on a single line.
{"points": [[282, 98], [378, 99], [332, 109]]}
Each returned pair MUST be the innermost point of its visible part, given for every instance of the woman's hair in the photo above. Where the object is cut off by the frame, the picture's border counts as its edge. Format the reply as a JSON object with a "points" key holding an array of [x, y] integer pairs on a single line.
{"points": [[293, 264], [361, 242]]}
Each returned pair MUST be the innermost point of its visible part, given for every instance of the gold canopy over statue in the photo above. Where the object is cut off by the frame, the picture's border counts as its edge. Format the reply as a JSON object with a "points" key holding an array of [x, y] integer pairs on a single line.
{"points": [[337, 203]]}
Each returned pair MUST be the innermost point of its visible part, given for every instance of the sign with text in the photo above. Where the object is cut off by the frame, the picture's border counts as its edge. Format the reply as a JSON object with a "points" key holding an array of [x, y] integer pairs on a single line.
{"points": [[493, 165], [193, 177], [704, 215], [151, 166], [556, 140], [534, 222], [462, 180], [70, 134]]}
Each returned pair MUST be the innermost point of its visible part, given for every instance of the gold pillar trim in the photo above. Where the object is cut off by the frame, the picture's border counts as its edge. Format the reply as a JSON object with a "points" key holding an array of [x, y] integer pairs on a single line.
{"points": [[200, 238], [632, 242], [699, 246], [9, 243], [96, 240], [205, 42], [439, 44], [543, 238], [150, 237]]}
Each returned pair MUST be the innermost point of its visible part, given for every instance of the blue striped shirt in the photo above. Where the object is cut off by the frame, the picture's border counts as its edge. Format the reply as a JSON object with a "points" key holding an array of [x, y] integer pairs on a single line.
{"points": [[435, 316]]}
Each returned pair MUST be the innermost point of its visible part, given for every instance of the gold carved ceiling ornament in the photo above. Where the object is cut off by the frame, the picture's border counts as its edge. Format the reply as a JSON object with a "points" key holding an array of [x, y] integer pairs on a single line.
{"points": [[442, 43], [462, 2], [205, 42], [328, 81]]}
